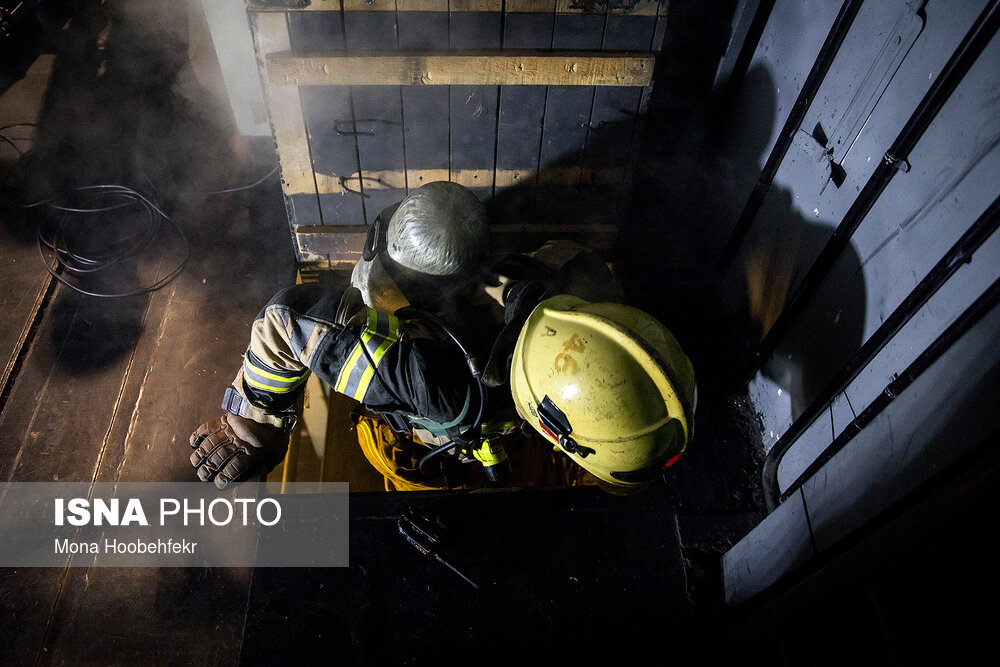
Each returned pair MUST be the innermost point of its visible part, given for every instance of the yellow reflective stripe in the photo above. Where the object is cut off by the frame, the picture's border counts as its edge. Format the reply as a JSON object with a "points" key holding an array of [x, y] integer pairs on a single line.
{"points": [[260, 385], [345, 370], [355, 378], [366, 377], [362, 385], [257, 370], [393, 327]]}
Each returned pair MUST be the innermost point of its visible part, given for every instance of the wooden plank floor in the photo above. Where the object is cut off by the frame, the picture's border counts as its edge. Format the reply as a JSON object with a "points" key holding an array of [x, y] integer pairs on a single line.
{"points": [[26, 285], [109, 389], [25, 281]]}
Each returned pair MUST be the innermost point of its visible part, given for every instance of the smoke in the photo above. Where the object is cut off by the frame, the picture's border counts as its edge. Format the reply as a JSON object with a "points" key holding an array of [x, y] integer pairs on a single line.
{"points": [[135, 105]]}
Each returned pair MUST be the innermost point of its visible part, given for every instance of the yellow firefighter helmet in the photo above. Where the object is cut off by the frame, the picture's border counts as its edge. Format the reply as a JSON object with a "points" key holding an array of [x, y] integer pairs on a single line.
{"points": [[608, 384]]}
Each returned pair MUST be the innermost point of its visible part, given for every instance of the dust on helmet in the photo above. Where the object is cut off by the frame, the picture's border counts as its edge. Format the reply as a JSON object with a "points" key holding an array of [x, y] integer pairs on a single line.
{"points": [[440, 230], [608, 384]]}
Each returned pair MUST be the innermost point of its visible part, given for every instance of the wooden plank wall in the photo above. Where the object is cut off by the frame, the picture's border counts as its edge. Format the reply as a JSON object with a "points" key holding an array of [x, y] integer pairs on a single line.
{"points": [[473, 109], [428, 146], [378, 110], [327, 110], [522, 110], [497, 95]]}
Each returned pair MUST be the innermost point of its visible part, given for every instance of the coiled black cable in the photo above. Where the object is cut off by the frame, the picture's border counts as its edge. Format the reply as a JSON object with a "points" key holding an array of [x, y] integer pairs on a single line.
{"points": [[71, 261], [59, 235]]}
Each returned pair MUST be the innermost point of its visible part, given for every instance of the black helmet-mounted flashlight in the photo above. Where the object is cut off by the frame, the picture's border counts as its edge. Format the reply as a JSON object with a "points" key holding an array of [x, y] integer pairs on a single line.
{"points": [[554, 422]]}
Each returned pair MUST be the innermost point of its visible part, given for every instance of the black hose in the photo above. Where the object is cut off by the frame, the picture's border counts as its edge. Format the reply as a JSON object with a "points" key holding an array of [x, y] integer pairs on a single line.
{"points": [[470, 360], [440, 449], [474, 370]]}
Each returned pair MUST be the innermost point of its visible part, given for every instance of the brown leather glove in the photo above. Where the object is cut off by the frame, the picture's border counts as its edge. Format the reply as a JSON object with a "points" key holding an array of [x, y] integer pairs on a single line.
{"points": [[232, 448]]}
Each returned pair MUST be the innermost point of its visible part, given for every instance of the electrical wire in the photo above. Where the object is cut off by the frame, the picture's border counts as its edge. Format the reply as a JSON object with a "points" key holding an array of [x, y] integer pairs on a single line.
{"points": [[211, 193], [470, 360], [7, 140], [10, 125], [76, 263], [4, 138], [243, 187], [67, 219]]}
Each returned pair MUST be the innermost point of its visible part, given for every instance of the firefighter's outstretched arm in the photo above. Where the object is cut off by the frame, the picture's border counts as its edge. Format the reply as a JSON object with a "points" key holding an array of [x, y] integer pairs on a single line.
{"points": [[367, 355]]}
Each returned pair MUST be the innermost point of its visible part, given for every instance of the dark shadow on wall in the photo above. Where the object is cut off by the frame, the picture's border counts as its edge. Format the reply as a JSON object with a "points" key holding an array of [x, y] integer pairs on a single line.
{"points": [[777, 254], [829, 329], [561, 195], [586, 187], [687, 200]]}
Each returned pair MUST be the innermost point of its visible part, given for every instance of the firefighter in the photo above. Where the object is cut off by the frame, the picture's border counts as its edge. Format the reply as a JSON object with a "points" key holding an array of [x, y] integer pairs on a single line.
{"points": [[606, 384]]}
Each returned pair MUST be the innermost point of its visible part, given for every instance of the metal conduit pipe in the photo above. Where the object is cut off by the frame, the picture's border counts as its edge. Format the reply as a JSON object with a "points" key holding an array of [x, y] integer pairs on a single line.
{"points": [[951, 75], [831, 46], [986, 302], [960, 253]]}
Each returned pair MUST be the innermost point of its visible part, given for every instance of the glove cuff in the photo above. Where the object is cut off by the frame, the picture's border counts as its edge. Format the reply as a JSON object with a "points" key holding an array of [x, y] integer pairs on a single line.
{"points": [[234, 403]]}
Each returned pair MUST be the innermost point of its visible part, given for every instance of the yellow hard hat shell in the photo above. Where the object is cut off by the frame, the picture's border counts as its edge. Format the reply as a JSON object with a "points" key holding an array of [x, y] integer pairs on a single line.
{"points": [[619, 378]]}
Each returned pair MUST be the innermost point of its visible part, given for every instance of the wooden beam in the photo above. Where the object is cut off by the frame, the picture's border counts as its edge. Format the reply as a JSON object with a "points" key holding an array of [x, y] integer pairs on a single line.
{"points": [[422, 6], [311, 6], [369, 5], [337, 241], [544, 69], [638, 8], [404, 6], [352, 235], [475, 5], [326, 184], [285, 107], [624, 7], [345, 242], [530, 6]]}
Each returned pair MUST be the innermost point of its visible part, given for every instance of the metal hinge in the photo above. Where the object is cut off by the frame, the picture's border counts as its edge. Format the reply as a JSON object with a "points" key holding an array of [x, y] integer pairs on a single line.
{"points": [[898, 163]]}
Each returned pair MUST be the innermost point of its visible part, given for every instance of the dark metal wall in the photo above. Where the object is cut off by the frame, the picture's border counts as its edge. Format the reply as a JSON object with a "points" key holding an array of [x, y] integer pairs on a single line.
{"points": [[863, 245]]}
